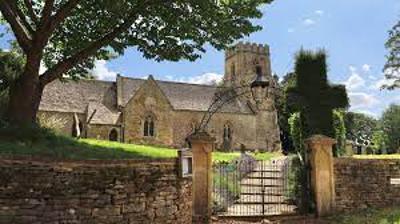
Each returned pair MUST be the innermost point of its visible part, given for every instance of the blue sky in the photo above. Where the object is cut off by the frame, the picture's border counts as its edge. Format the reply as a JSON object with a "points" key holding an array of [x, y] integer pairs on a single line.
{"points": [[352, 31]]}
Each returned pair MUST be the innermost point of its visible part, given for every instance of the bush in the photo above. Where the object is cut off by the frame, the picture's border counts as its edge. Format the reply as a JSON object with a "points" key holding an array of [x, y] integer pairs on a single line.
{"points": [[340, 132]]}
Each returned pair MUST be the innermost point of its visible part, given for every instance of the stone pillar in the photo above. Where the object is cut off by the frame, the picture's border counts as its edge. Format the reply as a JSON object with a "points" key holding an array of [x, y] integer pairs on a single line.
{"points": [[202, 147], [322, 174]]}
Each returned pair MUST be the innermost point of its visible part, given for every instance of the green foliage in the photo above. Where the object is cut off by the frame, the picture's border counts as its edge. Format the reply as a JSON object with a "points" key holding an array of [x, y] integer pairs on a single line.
{"points": [[360, 128], [391, 127], [313, 96], [160, 29], [392, 66], [379, 142], [340, 132], [298, 185], [297, 132], [283, 112], [11, 66]]}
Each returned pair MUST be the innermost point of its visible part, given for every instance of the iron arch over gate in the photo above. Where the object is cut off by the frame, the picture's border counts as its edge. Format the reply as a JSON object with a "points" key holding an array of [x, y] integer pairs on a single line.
{"points": [[252, 187]]}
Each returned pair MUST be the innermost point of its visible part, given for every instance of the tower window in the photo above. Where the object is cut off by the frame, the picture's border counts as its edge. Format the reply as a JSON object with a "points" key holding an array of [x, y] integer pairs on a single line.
{"points": [[258, 70], [233, 72], [148, 129]]}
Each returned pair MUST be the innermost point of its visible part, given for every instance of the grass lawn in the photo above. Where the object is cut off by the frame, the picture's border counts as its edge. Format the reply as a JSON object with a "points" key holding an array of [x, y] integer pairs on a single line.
{"points": [[369, 216], [385, 156], [67, 148], [229, 156], [60, 147]]}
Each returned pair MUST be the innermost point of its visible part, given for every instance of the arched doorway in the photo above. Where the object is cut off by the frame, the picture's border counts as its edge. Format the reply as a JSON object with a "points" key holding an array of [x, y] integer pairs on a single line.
{"points": [[113, 135]]}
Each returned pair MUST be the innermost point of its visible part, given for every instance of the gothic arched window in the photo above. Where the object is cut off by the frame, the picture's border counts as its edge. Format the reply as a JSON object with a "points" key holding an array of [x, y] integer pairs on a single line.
{"points": [[113, 136], [227, 131], [148, 129]]}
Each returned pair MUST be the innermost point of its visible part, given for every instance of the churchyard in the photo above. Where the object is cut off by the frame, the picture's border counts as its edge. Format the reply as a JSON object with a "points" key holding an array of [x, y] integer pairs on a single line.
{"points": [[272, 132]]}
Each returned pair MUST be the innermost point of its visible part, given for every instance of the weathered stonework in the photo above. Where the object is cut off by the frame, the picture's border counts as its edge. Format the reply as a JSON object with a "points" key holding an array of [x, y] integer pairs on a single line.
{"points": [[361, 184], [93, 192], [176, 108]]}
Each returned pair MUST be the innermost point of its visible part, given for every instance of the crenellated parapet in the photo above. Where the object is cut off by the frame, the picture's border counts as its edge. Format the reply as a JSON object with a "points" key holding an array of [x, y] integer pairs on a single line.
{"points": [[247, 47]]}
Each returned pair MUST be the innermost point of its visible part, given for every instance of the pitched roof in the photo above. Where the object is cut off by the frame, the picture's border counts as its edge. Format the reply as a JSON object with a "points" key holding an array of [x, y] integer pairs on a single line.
{"points": [[76, 96], [101, 96], [184, 96]]}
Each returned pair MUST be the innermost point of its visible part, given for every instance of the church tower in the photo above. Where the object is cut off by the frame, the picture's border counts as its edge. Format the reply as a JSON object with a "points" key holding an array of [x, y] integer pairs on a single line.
{"points": [[242, 63], [244, 60]]}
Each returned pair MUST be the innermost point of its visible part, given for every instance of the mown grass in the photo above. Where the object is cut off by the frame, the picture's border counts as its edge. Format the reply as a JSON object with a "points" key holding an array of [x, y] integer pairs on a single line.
{"points": [[369, 216], [39, 142], [60, 147], [229, 156], [384, 156]]}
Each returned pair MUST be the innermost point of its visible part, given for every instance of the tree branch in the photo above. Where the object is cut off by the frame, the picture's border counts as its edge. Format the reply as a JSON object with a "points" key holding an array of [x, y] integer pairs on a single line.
{"points": [[48, 8], [62, 13], [22, 17], [56, 71], [21, 34], [50, 23], [29, 6]]}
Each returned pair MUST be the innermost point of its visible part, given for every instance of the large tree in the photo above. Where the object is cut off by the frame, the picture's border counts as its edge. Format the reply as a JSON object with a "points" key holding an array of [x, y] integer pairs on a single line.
{"points": [[69, 35], [360, 128], [392, 66], [391, 127]]}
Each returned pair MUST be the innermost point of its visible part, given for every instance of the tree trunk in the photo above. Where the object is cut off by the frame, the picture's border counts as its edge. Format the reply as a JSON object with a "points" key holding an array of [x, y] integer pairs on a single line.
{"points": [[25, 94]]}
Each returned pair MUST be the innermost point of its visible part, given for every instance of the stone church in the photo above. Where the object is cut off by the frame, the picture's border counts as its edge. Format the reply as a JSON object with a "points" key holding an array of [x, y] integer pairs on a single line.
{"points": [[150, 111]]}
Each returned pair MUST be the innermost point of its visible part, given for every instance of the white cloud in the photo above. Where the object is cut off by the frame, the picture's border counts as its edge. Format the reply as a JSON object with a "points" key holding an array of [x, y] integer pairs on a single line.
{"points": [[361, 100], [355, 81], [308, 22], [209, 78], [319, 12], [290, 30], [101, 72], [366, 67]]}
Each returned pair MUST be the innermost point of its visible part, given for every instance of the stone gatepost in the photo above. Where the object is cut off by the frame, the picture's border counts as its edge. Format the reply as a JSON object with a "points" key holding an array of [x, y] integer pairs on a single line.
{"points": [[322, 174], [202, 147]]}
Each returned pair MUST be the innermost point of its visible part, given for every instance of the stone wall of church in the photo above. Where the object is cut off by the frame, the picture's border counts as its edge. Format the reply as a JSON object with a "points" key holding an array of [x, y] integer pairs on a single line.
{"points": [[102, 131], [242, 126], [148, 101]]}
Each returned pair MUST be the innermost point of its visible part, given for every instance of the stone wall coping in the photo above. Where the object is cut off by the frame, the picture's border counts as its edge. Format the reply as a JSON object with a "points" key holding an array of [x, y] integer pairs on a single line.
{"points": [[86, 163], [365, 161], [321, 139], [201, 137]]}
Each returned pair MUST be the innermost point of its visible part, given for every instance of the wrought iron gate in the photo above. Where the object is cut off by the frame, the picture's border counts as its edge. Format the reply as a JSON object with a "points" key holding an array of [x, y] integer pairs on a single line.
{"points": [[253, 188]]}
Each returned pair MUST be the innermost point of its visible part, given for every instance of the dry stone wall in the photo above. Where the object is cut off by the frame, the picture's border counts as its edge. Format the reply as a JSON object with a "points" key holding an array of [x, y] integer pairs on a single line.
{"points": [[34, 192], [362, 184]]}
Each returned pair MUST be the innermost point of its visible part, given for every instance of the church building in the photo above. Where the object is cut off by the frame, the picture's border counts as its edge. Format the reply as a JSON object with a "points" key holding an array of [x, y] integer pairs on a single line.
{"points": [[149, 111]]}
